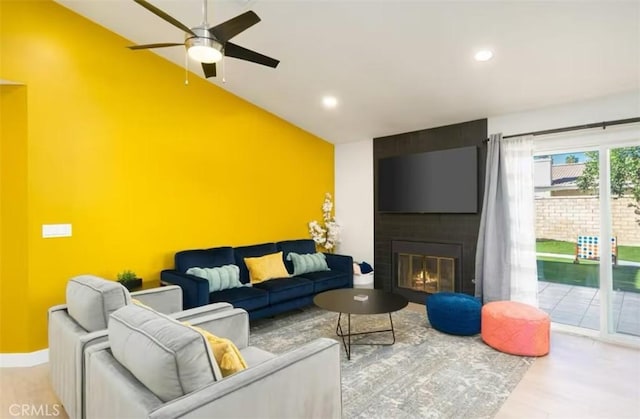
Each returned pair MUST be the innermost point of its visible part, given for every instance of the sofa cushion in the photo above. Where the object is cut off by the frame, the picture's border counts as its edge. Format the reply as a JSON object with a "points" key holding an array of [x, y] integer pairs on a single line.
{"points": [[91, 299], [301, 247], [249, 252], [286, 288], [327, 280], [220, 278], [248, 298], [311, 262], [169, 358], [204, 258], [266, 267]]}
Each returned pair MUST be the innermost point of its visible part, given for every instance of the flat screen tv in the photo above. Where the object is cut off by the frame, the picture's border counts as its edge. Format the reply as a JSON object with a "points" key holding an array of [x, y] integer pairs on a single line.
{"points": [[434, 182]]}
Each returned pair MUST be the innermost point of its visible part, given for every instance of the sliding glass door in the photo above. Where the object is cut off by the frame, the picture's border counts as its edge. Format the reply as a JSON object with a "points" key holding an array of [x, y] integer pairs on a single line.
{"points": [[624, 206], [567, 238], [588, 237]]}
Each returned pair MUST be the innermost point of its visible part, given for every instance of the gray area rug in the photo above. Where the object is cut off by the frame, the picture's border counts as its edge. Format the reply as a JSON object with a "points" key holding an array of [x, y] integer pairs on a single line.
{"points": [[425, 374]]}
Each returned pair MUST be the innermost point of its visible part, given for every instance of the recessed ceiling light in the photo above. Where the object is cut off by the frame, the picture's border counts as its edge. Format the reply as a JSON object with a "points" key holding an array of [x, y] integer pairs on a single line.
{"points": [[483, 55], [329, 102]]}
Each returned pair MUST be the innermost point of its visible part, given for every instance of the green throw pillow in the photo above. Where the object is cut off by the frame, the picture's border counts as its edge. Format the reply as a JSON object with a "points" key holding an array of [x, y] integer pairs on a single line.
{"points": [[310, 262], [221, 278]]}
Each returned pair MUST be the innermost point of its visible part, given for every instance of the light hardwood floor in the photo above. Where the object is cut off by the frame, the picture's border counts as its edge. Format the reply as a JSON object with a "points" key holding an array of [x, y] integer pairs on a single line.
{"points": [[29, 389], [580, 378]]}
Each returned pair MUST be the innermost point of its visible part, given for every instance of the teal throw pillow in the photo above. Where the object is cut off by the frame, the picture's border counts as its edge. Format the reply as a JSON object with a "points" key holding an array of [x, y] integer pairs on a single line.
{"points": [[310, 262], [220, 278]]}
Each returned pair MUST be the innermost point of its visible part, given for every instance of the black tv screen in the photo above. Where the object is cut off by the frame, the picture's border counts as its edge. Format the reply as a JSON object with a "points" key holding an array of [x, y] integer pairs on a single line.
{"points": [[434, 182]]}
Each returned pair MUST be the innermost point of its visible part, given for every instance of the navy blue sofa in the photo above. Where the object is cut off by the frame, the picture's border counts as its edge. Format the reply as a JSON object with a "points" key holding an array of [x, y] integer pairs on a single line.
{"points": [[265, 298]]}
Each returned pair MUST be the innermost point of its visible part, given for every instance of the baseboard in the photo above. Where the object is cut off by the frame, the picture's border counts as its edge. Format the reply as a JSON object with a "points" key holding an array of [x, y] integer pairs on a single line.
{"points": [[24, 360]]}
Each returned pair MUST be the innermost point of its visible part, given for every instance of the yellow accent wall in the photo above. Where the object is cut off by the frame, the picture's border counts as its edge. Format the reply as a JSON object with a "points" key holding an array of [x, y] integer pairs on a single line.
{"points": [[14, 285], [113, 142]]}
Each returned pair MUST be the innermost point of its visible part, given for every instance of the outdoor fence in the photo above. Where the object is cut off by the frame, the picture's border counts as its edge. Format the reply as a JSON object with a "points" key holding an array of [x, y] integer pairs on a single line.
{"points": [[567, 217]]}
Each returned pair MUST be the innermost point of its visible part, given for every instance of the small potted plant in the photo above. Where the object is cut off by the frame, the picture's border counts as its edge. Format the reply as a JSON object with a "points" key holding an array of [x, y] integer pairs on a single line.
{"points": [[129, 279]]}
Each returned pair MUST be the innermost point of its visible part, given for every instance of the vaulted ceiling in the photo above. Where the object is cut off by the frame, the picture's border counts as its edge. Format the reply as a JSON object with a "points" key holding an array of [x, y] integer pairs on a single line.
{"points": [[397, 66]]}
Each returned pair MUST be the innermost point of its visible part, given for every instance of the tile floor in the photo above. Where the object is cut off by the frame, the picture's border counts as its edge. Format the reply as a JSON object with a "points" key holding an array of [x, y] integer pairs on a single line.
{"points": [[580, 306]]}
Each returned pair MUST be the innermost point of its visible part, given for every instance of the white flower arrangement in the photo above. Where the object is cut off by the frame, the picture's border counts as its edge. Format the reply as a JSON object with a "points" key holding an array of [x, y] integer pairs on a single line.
{"points": [[326, 234]]}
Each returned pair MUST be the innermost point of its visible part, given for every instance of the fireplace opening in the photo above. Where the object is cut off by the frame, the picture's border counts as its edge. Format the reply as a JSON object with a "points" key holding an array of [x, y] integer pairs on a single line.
{"points": [[425, 273], [426, 268]]}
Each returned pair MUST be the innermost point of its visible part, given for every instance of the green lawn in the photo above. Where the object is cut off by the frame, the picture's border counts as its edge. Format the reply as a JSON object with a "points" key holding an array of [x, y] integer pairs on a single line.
{"points": [[555, 246], [630, 253]]}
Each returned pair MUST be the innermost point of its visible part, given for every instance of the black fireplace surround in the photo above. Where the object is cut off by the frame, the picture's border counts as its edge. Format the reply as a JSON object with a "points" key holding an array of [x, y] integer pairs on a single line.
{"points": [[457, 230]]}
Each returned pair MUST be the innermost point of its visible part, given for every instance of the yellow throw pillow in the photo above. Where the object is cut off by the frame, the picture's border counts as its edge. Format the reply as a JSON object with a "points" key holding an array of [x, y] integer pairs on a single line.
{"points": [[225, 352], [266, 267]]}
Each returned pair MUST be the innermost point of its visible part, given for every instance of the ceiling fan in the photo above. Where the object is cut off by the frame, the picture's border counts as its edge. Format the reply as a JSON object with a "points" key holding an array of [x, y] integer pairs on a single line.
{"points": [[208, 44]]}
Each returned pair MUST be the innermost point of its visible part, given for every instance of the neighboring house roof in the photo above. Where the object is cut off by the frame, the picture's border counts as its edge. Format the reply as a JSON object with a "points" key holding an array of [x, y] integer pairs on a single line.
{"points": [[566, 174]]}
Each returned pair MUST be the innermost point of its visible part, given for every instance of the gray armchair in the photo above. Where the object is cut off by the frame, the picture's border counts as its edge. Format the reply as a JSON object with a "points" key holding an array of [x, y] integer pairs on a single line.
{"points": [[154, 367], [82, 322]]}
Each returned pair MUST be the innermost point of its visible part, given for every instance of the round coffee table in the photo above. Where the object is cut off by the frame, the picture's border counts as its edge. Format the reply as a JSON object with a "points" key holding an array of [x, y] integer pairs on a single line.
{"points": [[377, 302]]}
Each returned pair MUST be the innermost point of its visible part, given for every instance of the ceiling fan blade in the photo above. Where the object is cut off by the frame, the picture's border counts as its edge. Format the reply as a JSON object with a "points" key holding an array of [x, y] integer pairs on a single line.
{"points": [[209, 69], [227, 30], [236, 51], [153, 9], [162, 45]]}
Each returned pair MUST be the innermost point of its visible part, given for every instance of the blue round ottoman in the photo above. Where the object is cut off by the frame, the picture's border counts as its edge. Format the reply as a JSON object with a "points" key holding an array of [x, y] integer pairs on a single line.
{"points": [[454, 313]]}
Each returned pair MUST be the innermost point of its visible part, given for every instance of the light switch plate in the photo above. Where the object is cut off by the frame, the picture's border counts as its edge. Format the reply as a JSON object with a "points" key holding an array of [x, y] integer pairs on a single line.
{"points": [[56, 230]]}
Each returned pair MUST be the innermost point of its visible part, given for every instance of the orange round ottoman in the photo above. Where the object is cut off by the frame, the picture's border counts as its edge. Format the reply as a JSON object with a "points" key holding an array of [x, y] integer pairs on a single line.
{"points": [[515, 328]]}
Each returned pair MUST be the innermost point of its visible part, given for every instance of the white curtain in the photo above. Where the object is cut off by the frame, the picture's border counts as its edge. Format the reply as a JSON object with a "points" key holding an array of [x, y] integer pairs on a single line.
{"points": [[505, 256]]}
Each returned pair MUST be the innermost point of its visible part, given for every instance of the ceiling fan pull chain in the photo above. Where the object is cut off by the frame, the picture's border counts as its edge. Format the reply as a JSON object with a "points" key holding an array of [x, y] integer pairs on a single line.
{"points": [[224, 79], [186, 68]]}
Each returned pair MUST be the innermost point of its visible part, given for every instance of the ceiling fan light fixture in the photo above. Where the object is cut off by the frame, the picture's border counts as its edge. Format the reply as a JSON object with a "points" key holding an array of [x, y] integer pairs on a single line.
{"points": [[205, 54], [209, 44], [204, 50]]}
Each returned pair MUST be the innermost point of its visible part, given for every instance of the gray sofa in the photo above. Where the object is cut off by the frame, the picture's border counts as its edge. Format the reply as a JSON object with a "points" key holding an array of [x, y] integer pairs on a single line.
{"points": [[82, 322], [154, 367]]}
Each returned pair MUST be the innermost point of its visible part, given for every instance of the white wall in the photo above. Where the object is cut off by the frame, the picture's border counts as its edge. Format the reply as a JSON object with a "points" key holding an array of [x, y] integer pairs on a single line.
{"points": [[354, 161], [354, 198], [621, 106]]}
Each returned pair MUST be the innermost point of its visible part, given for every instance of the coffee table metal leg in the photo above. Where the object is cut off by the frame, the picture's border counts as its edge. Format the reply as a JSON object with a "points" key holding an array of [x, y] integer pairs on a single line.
{"points": [[392, 331], [349, 335], [339, 332], [347, 343]]}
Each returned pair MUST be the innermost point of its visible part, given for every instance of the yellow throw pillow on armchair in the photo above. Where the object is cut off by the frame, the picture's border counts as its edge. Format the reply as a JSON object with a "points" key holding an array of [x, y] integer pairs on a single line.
{"points": [[225, 352], [266, 267]]}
